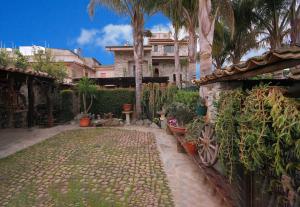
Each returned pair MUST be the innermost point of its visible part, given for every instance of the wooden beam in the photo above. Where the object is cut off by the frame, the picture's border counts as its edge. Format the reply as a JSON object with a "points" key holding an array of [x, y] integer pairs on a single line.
{"points": [[257, 71], [30, 111]]}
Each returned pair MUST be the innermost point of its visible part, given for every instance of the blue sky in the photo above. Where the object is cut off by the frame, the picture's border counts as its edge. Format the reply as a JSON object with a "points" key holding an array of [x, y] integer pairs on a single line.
{"points": [[66, 24]]}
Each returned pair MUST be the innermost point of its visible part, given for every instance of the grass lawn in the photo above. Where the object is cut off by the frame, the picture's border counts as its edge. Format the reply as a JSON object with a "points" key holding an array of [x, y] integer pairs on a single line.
{"points": [[91, 167]]}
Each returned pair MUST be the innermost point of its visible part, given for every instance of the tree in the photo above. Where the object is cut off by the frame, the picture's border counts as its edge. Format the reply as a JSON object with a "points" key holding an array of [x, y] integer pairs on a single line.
{"points": [[221, 45], [87, 89], [44, 62], [190, 13], [209, 11], [177, 21], [20, 60], [272, 17], [136, 10], [295, 22], [4, 58]]}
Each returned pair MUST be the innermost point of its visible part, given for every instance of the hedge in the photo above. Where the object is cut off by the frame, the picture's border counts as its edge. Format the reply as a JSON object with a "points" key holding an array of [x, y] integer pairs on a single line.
{"points": [[111, 100], [67, 98]]}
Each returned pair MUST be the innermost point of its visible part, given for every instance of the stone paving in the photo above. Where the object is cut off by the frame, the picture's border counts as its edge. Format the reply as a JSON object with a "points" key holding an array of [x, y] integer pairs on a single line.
{"points": [[188, 187], [13, 140], [92, 167]]}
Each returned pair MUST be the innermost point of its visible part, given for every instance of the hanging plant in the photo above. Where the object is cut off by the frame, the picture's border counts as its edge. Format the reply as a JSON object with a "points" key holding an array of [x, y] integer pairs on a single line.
{"points": [[227, 123]]}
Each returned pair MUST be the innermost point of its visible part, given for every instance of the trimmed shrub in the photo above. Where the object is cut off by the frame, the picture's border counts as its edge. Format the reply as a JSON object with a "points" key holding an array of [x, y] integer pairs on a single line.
{"points": [[67, 97], [112, 100]]}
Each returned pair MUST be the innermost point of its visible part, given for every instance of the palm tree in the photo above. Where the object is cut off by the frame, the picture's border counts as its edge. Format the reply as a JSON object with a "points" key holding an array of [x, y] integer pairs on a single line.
{"points": [[273, 19], [246, 32], [221, 45], [172, 9], [136, 10], [295, 22], [209, 11], [190, 13]]}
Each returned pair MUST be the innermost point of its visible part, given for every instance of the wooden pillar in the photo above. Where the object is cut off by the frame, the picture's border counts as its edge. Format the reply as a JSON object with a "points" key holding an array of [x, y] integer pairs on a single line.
{"points": [[30, 112], [49, 105], [11, 101]]}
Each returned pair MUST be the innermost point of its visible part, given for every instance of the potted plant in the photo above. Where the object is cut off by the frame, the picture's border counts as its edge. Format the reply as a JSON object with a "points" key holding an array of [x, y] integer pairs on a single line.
{"points": [[87, 92], [179, 115], [193, 131], [201, 108], [127, 107]]}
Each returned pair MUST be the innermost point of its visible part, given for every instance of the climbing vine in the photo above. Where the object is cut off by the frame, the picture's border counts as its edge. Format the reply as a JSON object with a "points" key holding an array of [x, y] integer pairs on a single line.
{"points": [[229, 110], [260, 129]]}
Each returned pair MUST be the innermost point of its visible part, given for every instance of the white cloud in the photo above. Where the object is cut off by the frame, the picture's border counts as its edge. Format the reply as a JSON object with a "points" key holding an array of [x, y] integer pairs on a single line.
{"points": [[115, 35], [86, 36], [169, 28], [109, 35]]}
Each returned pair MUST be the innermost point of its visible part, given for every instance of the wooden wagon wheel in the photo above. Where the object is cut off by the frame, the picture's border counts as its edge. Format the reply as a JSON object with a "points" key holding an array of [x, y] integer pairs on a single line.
{"points": [[208, 146]]}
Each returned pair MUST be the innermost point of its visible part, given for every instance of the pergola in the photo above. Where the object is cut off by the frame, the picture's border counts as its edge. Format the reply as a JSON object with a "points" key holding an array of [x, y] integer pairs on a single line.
{"points": [[14, 102]]}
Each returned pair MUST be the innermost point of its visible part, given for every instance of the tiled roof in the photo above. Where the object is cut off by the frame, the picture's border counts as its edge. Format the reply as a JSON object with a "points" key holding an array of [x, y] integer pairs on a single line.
{"points": [[27, 72], [269, 62]]}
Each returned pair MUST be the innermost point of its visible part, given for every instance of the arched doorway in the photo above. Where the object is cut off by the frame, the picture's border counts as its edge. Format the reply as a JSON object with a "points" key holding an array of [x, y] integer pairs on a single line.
{"points": [[156, 72]]}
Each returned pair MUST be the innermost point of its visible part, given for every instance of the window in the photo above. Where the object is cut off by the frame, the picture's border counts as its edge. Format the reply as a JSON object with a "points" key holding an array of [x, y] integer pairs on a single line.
{"points": [[169, 48], [156, 72], [174, 77], [155, 48], [133, 71]]}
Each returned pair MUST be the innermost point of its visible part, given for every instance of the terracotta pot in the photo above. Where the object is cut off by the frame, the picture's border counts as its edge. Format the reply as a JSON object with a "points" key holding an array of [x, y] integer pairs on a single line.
{"points": [[190, 147], [180, 131], [84, 122], [127, 107]]}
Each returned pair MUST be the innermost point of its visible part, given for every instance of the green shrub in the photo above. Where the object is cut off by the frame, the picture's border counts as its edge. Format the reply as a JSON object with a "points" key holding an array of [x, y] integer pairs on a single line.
{"points": [[67, 97], [181, 112], [112, 100], [154, 98], [189, 98]]}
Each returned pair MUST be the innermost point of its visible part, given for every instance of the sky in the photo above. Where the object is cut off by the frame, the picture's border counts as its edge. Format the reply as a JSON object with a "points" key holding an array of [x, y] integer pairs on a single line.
{"points": [[66, 24]]}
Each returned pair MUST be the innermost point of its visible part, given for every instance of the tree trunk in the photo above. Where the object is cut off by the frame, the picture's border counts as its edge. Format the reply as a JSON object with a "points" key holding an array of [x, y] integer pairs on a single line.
{"points": [[192, 53], [295, 24], [177, 58], [138, 27], [206, 35]]}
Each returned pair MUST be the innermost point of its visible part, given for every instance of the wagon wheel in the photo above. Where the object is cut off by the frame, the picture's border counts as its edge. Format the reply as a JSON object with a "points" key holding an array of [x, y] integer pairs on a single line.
{"points": [[208, 146]]}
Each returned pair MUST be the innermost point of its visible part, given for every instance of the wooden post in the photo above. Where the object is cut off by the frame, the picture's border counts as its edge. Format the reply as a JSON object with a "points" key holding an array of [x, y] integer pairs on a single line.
{"points": [[11, 100], [49, 105], [30, 112]]}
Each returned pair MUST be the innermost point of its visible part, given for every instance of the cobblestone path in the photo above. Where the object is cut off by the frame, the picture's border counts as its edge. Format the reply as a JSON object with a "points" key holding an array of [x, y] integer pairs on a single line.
{"points": [[92, 167]]}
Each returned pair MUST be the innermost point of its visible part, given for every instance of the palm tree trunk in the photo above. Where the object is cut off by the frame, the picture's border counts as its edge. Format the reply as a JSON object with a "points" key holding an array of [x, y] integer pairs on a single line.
{"points": [[138, 27], [192, 53], [206, 35], [295, 23], [177, 58]]}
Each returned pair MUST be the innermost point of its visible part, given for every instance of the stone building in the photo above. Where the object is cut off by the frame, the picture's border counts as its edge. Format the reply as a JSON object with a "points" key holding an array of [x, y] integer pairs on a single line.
{"points": [[77, 66], [158, 58]]}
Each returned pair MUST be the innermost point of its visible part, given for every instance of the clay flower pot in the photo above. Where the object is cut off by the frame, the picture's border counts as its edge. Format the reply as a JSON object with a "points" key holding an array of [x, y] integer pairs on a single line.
{"points": [[190, 147], [84, 122], [179, 131], [127, 107]]}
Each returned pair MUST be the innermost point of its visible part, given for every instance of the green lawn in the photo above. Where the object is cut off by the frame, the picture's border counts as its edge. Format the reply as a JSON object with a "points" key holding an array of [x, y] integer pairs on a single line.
{"points": [[91, 167]]}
